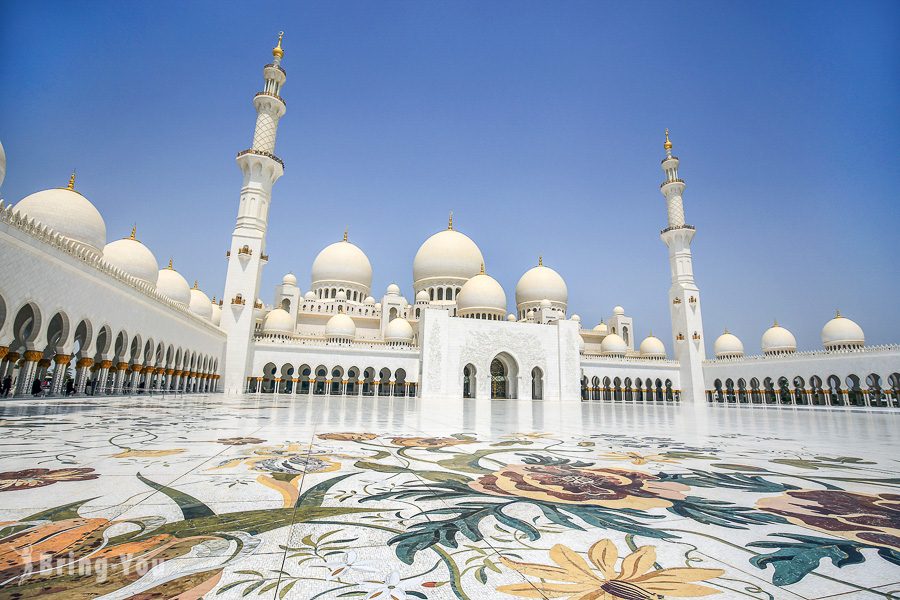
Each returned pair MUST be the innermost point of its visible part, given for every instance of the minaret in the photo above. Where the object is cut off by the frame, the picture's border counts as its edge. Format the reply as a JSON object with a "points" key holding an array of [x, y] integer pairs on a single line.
{"points": [[261, 169], [684, 295]]}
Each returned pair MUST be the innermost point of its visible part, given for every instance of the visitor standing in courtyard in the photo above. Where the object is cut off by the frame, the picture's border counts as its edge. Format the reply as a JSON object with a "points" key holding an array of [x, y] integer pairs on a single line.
{"points": [[5, 386], [36, 387]]}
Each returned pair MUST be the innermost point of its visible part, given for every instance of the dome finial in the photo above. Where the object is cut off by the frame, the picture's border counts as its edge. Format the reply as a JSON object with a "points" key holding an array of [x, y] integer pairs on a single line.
{"points": [[196, 285], [668, 144], [450, 222], [775, 323], [725, 331], [346, 234], [540, 261], [71, 186], [277, 52], [170, 267], [133, 233], [837, 313], [482, 269]]}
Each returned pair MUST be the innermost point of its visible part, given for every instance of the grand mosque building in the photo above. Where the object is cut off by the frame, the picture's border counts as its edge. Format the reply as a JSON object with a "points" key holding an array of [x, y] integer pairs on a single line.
{"points": [[128, 324]]}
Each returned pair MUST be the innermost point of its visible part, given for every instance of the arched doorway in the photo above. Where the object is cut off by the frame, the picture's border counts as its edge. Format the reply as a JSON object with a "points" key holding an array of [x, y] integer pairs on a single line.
{"points": [[503, 377], [537, 384], [469, 381]]}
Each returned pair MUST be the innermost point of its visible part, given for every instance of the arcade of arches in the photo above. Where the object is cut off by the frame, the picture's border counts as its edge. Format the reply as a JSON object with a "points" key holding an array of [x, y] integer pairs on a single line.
{"points": [[854, 390], [335, 381]]}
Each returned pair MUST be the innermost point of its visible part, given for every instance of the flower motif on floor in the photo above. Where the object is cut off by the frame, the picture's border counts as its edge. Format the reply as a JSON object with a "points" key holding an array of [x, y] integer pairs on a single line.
{"points": [[11, 481], [385, 590], [132, 453], [346, 563], [867, 518], [610, 488], [347, 436], [573, 578], [240, 441], [636, 458], [293, 459], [429, 442]]}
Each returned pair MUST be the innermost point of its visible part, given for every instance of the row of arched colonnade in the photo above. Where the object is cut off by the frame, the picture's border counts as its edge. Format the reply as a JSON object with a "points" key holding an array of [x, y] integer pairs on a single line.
{"points": [[853, 391], [625, 390], [336, 381], [54, 353]]}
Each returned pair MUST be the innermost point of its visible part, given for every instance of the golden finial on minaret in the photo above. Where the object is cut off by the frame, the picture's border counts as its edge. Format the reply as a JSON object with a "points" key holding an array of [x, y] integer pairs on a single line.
{"points": [[450, 222], [668, 144], [277, 52], [170, 265], [133, 233], [540, 261], [346, 234], [71, 186]]}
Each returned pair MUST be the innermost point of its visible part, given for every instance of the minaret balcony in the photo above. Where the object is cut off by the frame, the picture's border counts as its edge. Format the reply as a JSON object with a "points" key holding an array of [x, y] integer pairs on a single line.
{"points": [[261, 153], [670, 181], [274, 66], [676, 227], [270, 95]]}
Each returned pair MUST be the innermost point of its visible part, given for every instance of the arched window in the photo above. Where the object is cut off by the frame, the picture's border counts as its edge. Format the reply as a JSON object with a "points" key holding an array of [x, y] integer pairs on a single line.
{"points": [[431, 294], [537, 384], [440, 294], [449, 293]]}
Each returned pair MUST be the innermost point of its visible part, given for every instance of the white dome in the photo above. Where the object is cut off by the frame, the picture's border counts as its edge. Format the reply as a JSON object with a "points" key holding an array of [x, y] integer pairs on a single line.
{"points": [[447, 254], [341, 295], [618, 310], [422, 296], [728, 345], [68, 213], [481, 293], [289, 279], [200, 303], [511, 318], [370, 300], [601, 328], [841, 332], [2, 164], [613, 345], [778, 340], [132, 257], [393, 290], [541, 283], [170, 283], [342, 262], [545, 303], [216, 316], [278, 321], [378, 306], [651, 347], [310, 295], [398, 330], [576, 318], [340, 326]]}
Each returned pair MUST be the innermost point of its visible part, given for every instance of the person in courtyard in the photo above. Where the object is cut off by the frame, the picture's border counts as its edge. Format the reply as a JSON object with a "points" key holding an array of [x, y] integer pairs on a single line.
{"points": [[5, 386], [70, 387], [36, 387]]}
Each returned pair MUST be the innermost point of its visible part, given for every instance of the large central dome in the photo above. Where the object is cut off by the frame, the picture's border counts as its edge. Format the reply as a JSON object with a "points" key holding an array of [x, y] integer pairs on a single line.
{"points": [[446, 255], [342, 263]]}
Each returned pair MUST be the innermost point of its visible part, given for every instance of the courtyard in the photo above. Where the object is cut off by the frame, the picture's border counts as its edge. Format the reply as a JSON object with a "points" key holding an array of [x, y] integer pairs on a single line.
{"points": [[268, 496]]}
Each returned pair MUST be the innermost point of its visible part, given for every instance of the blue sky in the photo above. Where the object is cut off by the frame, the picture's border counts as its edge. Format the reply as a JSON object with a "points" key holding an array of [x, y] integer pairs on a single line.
{"points": [[538, 123]]}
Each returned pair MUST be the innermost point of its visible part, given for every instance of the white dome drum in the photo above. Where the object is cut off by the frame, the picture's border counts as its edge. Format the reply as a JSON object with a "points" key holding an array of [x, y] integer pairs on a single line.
{"points": [[170, 283], [446, 258], [68, 213], [133, 257], [342, 265], [728, 345], [482, 297], [841, 333], [541, 283]]}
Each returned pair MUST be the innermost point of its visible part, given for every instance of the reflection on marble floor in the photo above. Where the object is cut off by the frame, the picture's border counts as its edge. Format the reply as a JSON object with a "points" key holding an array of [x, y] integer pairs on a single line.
{"points": [[279, 497]]}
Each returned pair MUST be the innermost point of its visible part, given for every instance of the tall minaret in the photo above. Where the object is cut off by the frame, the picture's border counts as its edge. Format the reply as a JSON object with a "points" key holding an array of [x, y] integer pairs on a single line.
{"points": [[261, 169], [684, 295]]}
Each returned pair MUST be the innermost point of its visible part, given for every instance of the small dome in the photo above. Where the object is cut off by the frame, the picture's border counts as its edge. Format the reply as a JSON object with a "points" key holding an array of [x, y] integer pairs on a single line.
{"points": [[580, 344], [576, 318], [728, 345], [541, 283], [278, 321], [310, 295], [68, 213], [447, 254], [216, 316], [398, 331], [393, 290], [200, 304], [342, 262], [778, 340], [651, 347], [340, 326], [341, 295], [601, 328], [618, 311], [545, 303], [132, 257], [481, 293], [378, 306], [422, 296], [289, 279], [170, 283], [511, 318], [370, 300], [841, 332], [613, 345]]}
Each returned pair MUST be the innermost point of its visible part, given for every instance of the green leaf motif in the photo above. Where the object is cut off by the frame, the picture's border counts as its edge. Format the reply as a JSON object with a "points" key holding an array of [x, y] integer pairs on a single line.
{"points": [[190, 507], [795, 560], [721, 513]]}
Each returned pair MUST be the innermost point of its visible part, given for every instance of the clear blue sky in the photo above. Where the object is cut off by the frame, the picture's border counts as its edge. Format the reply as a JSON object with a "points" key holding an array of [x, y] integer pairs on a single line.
{"points": [[539, 124]]}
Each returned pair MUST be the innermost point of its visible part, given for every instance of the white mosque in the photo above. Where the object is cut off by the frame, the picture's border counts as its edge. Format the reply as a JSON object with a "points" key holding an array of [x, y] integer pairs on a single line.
{"points": [[105, 316]]}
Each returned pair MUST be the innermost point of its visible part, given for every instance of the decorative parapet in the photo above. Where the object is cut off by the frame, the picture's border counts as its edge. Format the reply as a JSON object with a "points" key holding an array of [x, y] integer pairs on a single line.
{"points": [[294, 339], [634, 360], [239, 299], [867, 350], [91, 258]]}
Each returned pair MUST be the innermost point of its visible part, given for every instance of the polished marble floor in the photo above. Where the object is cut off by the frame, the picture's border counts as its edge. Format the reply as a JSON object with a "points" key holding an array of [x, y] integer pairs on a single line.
{"points": [[285, 497]]}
